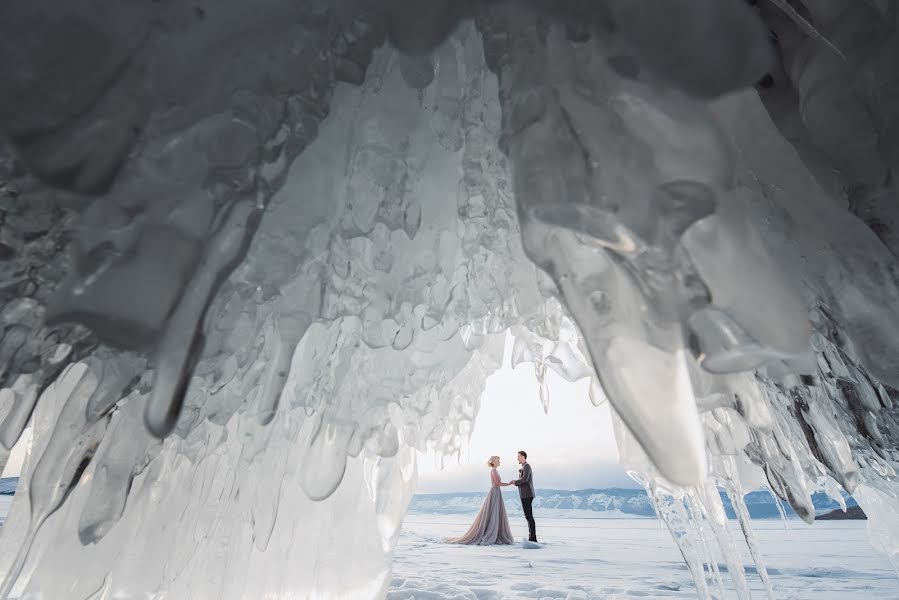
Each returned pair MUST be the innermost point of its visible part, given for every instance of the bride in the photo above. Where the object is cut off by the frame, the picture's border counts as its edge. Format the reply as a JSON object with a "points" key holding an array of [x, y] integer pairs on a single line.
{"points": [[491, 526]]}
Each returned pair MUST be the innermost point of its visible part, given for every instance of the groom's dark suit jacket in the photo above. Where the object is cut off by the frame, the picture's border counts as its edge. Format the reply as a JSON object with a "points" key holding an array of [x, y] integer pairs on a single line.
{"points": [[525, 482]]}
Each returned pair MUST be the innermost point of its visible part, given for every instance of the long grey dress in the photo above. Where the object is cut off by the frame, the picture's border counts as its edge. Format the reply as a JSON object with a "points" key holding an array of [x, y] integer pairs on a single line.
{"points": [[491, 526]]}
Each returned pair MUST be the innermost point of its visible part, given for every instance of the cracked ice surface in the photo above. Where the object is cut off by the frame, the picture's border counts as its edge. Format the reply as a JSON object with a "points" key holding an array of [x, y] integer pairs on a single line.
{"points": [[278, 286]]}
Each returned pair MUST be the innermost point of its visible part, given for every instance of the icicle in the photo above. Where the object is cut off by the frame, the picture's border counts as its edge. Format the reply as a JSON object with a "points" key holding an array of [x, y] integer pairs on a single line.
{"points": [[696, 519], [182, 341], [726, 347], [115, 373], [268, 473], [59, 468], [833, 492], [673, 514], [121, 452], [324, 459], [780, 507], [521, 352], [470, 338], [391, 488], [25, 392], [832, 443], [837, 367], [865, 391], [805, 26], [596, 393], [884, 396], [718, 521], [280, 349], [540, 374], [20, 399], [739, 505]]}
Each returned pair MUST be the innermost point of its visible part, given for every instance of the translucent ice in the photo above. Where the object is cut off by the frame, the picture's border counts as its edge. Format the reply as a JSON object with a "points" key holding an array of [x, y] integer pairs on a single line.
{"points": [[252, 258]]}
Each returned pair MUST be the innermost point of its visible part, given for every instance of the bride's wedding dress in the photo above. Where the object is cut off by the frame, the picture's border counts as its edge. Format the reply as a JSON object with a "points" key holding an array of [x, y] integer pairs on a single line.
{"points": [[491, 526]]}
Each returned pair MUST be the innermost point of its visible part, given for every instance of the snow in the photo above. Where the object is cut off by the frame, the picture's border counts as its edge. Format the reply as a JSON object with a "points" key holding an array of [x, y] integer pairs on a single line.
{"points": [[585, 555], [629, 558], [580, 513]]}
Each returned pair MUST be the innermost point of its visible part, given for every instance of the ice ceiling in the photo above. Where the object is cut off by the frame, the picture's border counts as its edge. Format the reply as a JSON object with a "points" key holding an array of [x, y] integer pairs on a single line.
{"points": [[253, 255]]}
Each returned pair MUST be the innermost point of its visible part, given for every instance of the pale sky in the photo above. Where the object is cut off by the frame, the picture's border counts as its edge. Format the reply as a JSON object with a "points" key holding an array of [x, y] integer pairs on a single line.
{"points": [[572, 447]]}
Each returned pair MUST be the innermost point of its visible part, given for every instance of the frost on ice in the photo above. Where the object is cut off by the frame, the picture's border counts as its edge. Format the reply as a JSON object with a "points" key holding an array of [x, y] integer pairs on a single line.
{"points": [[253, 257]]}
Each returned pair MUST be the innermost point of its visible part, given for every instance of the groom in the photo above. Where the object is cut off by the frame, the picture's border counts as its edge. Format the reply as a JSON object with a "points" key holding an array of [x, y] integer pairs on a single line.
{"points": [[525, 484]]}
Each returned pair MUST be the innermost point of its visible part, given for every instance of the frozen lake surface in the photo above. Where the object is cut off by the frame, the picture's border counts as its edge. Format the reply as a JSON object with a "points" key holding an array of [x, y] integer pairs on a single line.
{"points": [[611, 559], [587, 559]]}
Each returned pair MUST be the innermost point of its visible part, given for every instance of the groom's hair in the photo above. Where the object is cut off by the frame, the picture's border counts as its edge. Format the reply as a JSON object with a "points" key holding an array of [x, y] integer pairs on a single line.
{"points": [[524, 454]]}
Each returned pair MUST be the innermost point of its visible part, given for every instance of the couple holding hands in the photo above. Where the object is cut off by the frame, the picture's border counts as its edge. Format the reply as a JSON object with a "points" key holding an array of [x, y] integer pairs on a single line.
{"points": [[491, 526]]}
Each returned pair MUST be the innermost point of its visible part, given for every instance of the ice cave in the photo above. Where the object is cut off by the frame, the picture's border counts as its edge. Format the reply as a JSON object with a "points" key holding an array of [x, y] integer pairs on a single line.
{"points": [[254, 255]]}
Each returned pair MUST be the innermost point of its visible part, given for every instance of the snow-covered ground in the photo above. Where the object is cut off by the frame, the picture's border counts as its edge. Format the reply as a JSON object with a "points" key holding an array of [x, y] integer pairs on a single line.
{"points": [[587, 557], [629, 558]]}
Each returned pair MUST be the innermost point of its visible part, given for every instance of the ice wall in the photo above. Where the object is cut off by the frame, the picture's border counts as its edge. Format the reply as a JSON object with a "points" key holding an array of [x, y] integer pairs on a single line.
{"points": [[361, 325], [698, 255], [288, 269]]}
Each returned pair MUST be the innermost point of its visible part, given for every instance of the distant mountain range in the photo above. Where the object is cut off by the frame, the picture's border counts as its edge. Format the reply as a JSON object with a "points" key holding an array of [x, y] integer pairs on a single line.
{"points": [[596, 503], [853, 513], [8, 486], [7, 489], [619, 502]]}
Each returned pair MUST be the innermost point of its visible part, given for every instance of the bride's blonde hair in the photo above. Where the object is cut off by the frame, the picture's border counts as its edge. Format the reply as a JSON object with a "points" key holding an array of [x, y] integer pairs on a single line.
{"points": [[492, 461]]}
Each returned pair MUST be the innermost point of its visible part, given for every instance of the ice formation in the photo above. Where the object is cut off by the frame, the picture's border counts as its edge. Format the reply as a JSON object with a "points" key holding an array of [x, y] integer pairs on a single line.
{"points": [[254, 255]]}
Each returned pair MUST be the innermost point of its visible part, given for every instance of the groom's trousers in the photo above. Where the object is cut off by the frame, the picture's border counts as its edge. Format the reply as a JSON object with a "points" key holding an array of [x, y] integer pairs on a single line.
{"points": [[529, 515]]}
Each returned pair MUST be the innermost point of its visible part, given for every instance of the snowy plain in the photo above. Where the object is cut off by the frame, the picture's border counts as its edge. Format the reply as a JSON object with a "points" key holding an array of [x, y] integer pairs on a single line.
{"points": [[587, 555], [619, 559]]}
